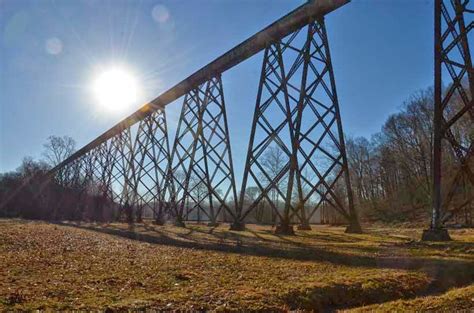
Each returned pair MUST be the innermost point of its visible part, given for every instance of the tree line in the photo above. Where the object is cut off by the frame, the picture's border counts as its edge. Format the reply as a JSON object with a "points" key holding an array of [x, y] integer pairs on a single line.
{"points": [[24, 193], [391, 171]]}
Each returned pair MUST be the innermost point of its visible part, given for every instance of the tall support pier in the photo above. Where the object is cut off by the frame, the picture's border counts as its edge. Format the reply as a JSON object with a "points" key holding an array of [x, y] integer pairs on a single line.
{"points": [[296, 156], [453, 188], [201, 175]]}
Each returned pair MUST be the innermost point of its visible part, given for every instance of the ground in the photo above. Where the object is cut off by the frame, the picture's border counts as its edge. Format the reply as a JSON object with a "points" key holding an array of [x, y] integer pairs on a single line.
{"points": [[113, 266]]}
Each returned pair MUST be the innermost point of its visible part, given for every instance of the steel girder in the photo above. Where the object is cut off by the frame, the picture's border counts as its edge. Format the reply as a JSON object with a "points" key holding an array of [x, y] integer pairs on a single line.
{"points": [[454, 107], [296, 155], [201, 174]]}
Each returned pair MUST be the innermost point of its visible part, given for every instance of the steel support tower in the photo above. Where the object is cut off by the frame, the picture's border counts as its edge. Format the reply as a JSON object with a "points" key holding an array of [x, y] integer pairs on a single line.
{"points": [[453, 106], [202, 179], [296, 155]]}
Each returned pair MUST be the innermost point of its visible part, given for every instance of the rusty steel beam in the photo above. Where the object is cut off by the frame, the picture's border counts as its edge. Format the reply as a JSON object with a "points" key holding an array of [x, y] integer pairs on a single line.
{"points": [[272, 33]]}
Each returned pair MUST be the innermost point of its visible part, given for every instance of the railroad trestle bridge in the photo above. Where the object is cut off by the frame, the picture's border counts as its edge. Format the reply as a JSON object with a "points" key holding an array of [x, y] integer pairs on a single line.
{"points": [[135, 166]]}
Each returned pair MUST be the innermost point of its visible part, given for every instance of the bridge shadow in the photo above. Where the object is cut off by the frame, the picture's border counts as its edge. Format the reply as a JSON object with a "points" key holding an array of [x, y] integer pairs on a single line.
{"points": [[445, 273]]}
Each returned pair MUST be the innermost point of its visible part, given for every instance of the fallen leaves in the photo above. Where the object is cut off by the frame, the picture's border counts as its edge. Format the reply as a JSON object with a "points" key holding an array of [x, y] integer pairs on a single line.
{"points": [[62, 267]]}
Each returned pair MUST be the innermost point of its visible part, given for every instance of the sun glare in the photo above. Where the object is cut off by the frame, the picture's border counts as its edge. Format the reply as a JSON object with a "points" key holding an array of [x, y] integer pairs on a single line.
{"points": [[115, 89]]}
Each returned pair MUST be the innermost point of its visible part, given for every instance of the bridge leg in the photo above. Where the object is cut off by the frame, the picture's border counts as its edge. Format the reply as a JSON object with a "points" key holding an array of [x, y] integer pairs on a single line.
{"points": [[102, 172], [296, 150], [151, 161], [83, 183], [217, 154], [127, 197], [120, 156], [452, 53], [201, 170], [130, 173], [71, 185]]}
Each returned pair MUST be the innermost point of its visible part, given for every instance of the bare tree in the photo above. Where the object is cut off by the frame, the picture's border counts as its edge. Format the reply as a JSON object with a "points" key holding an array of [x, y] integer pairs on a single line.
{"points": [[251, 194], [392, 171], [198, 191], [273, 161], [57, 149]]}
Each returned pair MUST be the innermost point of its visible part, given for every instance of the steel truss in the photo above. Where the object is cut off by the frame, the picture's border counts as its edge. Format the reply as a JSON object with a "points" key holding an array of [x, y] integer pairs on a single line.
{"points": [[454, 107], [152, 160], [129, 168], [124, 174], [296, 118], [202, 179], [296, 155]]}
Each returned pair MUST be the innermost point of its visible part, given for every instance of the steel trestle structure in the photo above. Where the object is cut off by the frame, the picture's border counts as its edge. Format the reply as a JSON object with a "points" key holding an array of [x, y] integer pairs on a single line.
{"points": [[296, 159], [201, 173], [454, 21], [127, 172], [297, 120], [131, 168]]}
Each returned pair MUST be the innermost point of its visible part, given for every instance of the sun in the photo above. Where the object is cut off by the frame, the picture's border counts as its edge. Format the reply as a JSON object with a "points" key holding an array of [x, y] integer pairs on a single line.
{"points": [[115, 89]]}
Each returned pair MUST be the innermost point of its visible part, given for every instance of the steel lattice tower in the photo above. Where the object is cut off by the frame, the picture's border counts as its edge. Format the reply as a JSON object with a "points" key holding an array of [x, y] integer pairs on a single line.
{"points": [[298, 124], [125, 172], [202, 175], [151, 161], [453, 107]]}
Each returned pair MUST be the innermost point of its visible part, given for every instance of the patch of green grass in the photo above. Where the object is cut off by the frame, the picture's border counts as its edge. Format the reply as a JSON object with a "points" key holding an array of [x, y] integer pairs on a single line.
{"points": [[91, 266]]}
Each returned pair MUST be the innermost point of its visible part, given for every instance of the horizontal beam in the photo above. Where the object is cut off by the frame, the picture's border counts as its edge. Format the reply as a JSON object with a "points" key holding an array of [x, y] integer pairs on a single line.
{"points": [[291, 22]]}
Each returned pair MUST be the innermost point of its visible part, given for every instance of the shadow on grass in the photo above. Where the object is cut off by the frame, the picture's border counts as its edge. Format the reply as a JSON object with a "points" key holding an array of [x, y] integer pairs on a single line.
{"points": [[445, 273]]}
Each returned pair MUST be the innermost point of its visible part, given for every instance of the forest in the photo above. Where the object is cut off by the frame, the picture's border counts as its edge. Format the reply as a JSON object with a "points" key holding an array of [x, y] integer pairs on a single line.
{"points": [[391, 171]]}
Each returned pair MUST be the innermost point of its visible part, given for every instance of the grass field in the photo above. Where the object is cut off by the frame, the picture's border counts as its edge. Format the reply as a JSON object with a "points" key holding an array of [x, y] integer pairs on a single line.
{"points": [[89, 266]]}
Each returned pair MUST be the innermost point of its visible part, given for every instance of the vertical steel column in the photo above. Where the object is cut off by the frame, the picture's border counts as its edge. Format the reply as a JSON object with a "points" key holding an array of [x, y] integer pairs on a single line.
{"points": [[272, 137], [354, 226], [182, 155], [103, 176], [74, 181], [220, 177], [81, 185], [122, 173], [438, 113]]}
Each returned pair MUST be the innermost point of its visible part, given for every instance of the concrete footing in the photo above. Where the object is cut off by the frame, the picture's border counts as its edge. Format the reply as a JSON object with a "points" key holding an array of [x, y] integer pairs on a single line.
{"points": [[237, 226], [179, 224], [304, 226], [435, 234], [284, 229], [353, 228]]}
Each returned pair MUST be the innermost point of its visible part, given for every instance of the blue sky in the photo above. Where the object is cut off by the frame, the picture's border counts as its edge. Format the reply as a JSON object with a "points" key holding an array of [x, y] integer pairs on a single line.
{"points": [[50, 51]]}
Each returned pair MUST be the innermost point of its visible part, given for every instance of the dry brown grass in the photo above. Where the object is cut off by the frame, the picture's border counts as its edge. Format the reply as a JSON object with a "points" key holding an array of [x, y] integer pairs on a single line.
{"points": [[455, 300], [88, 266]]}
